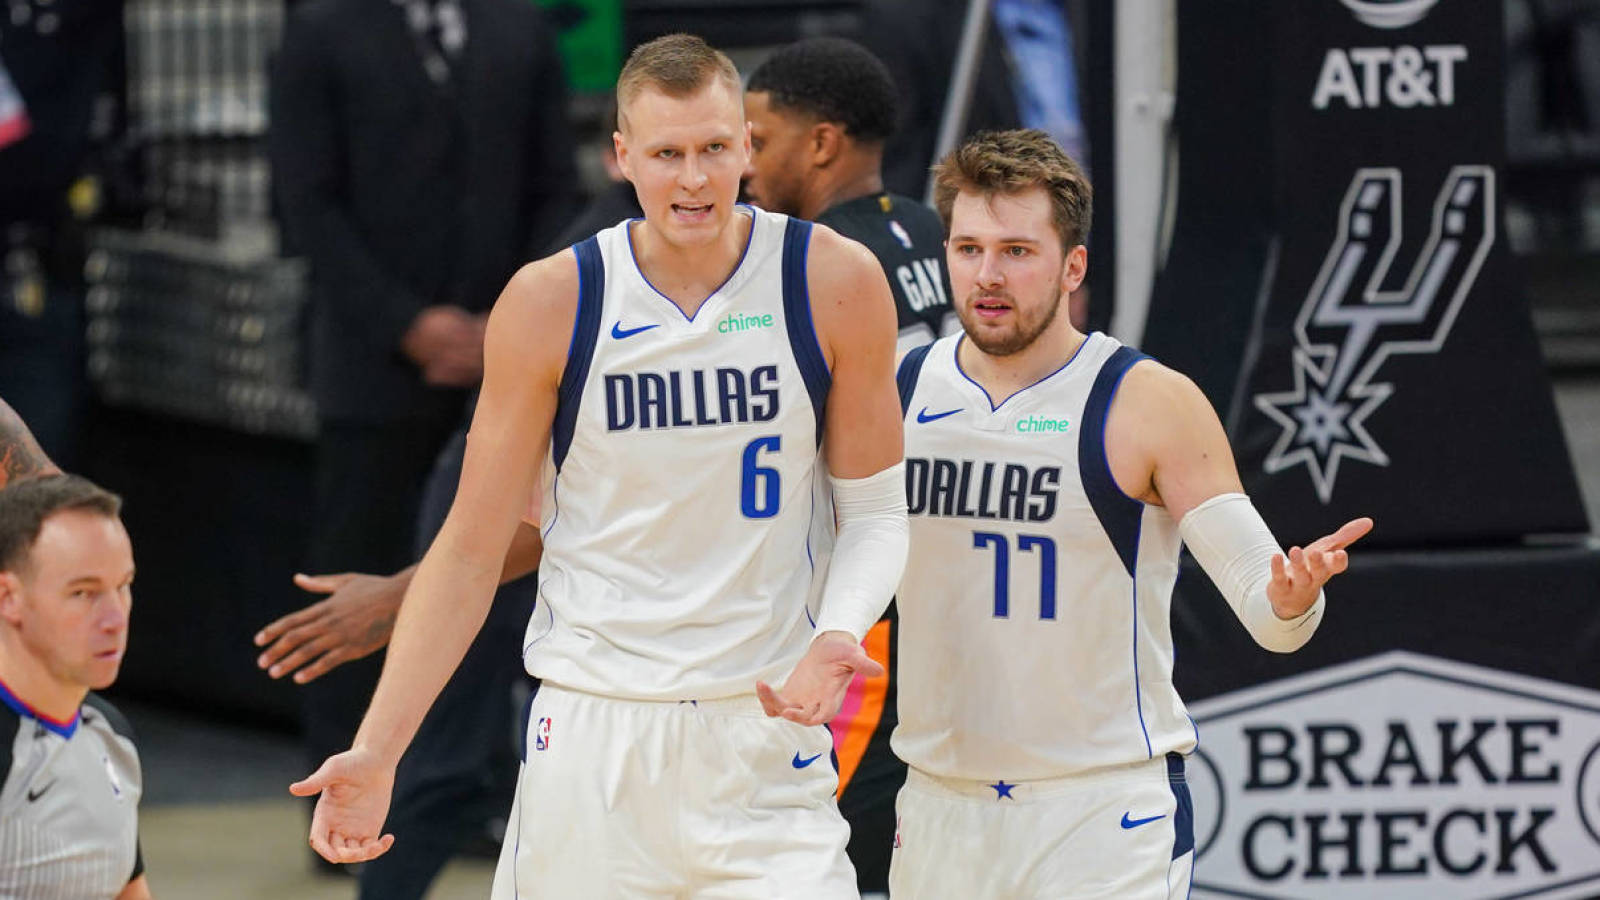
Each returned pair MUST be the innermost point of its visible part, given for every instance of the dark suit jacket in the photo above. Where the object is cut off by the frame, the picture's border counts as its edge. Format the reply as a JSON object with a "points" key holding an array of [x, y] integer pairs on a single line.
{"points": [[403, 194], [918, 40]]}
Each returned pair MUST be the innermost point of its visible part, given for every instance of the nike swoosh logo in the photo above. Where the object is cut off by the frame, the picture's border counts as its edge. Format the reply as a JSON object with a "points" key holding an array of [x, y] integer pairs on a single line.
{"points": [[799, 763], [34, 795], [1135, 823], [923, 417], [618, 332]]}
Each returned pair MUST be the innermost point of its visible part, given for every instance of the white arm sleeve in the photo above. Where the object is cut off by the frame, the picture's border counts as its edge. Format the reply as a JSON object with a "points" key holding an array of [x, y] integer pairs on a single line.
{"points": [[1232, 543], [869, 553]]}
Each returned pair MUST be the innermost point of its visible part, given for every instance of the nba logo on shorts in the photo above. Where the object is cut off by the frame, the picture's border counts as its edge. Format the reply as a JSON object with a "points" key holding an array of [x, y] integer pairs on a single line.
{"points": [[541, 734]]}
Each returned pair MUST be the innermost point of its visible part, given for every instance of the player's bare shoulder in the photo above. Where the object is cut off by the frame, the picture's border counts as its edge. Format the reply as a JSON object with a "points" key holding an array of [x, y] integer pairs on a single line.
{"points": [[850, 298], [534, 316], [1159, 418]]}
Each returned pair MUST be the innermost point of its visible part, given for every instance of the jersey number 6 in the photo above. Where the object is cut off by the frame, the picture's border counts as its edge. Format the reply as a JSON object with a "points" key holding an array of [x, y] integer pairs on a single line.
{"points": [[758, 485]]}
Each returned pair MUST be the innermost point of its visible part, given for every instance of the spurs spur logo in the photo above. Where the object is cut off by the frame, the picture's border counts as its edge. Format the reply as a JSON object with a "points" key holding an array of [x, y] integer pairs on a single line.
{"points": [[1350, 324]]}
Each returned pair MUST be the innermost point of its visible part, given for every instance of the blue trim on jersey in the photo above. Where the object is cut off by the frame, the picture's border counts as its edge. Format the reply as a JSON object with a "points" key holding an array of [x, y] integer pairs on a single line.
{"points": [[1138, 690], [905, 378], [797, 318], [1118, 513], [580, 352], [21, 708], [1183, 820], [748, 238], [555, 501], [995, 407]]}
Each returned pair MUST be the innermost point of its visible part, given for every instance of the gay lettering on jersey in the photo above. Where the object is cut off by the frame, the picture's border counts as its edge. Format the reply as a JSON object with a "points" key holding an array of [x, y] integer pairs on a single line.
{"points": [[988, 490], [647, 400]]}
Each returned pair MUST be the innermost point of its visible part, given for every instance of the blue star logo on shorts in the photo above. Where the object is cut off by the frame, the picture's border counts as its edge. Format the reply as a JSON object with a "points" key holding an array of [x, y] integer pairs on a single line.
{"points": [[1002, 790]]}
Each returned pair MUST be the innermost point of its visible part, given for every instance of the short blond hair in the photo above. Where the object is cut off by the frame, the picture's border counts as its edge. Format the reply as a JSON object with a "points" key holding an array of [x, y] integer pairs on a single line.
{"points": [[676, 65], [1010, 162]]}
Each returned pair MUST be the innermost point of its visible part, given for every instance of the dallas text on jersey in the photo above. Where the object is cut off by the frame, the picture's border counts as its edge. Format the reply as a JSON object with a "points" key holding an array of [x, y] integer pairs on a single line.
{"points": [[945, 487], [690, 399]]}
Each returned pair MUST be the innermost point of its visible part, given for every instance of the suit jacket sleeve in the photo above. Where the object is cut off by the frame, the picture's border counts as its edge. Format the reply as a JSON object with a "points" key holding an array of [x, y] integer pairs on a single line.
{"points": [[305, 148], [553, 180]]}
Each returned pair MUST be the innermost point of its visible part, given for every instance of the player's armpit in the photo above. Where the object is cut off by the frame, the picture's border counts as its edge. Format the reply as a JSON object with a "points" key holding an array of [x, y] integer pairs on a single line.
{"points": [[1164, 442], [20, 455], [137, 889]]}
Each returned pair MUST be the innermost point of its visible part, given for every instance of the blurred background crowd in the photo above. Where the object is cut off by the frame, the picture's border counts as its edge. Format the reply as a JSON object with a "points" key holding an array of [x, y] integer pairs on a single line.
{"points": [[249, 246]]}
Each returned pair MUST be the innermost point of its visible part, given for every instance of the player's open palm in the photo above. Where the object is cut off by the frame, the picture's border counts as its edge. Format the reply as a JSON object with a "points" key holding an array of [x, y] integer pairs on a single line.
{"points": [[815, 690], [1299, 577], [355, 788]]}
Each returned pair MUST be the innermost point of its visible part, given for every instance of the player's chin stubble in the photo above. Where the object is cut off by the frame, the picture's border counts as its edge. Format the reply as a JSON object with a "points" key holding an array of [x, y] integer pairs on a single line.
{"points": [[1014, 340]]}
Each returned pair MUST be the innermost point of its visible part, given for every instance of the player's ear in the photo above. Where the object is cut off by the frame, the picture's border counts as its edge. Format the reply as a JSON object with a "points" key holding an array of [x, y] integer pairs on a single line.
{"points": [[10, 598], [1075, 269], [826, 143], [620, 146]]}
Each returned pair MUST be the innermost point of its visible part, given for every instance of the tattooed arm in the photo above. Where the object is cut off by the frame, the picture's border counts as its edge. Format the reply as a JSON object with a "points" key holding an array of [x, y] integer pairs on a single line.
{"points": [[20, 456]]}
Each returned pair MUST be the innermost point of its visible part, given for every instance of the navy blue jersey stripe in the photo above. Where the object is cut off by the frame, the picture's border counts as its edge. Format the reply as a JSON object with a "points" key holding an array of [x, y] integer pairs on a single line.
{"points": [[1119, 514], [797, 318], [1183, 821], [910, 371], [580, 353]]}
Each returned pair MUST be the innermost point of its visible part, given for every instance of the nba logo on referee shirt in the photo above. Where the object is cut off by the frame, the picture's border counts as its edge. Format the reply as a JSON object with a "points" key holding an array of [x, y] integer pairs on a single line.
{"points": [[541, 734]]}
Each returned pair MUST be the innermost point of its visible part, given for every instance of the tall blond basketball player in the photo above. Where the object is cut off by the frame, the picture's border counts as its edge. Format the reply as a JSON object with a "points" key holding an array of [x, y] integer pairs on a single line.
{"points": [[1052, 477], [684, 375]]}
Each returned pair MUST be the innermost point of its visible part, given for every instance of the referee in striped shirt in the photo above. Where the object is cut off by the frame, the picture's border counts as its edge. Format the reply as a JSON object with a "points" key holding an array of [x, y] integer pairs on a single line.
{"points": [[69, 773]]}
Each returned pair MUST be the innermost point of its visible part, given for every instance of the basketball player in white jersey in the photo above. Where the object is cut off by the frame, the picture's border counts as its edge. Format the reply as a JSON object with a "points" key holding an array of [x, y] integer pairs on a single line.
{"points": [[683, 375], [1052, 477]]}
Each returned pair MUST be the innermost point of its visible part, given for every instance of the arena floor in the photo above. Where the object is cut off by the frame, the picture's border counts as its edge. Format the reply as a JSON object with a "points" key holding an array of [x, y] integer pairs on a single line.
{"points": [[217, 820]]}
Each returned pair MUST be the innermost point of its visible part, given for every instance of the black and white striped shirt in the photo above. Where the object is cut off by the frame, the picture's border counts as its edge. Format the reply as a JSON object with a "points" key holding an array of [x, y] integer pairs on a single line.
{"points": [[68, 803]]}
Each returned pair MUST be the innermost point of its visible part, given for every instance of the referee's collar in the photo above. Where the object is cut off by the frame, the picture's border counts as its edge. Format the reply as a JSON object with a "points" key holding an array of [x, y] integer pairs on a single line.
{"points": [[18, 705]]}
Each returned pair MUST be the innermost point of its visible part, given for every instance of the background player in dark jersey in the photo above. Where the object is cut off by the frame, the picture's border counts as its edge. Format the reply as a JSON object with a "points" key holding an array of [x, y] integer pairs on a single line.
{"points": [[820, 111], [69, 774]]}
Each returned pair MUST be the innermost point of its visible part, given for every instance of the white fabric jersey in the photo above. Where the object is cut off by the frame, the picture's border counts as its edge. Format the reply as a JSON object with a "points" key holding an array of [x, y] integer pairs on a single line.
{"points": [[711, 800], [685, 508], [1035, 639]]}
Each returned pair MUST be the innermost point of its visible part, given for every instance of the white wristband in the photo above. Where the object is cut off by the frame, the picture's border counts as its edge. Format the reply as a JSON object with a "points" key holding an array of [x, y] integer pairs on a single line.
{"points": [[1233, 544], [869, 553]]}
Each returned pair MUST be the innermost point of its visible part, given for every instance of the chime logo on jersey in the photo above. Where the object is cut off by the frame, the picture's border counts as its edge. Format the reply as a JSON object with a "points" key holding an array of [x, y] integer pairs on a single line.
{"points": [[1042, 425], [1351, 323], [541, 734], [734, 323]]}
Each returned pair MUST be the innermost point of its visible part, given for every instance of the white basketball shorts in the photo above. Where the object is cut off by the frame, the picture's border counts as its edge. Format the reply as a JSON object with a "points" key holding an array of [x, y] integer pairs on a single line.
{"points": [[1125, 833], [704, 799]]}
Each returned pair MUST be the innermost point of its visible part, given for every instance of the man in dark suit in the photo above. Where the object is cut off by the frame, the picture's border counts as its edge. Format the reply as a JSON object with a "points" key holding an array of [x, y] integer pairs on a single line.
{"points": [[421, 153]]}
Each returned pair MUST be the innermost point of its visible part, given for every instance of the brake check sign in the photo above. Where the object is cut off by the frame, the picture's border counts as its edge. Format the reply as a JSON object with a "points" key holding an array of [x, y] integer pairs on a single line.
{"points": [[1398, 776]]}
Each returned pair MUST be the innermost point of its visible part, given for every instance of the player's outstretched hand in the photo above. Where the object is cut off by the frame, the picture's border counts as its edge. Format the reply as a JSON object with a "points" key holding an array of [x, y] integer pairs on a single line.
{"points": [[355, 621], [1296, 581], [355, 788], [815, 689]]}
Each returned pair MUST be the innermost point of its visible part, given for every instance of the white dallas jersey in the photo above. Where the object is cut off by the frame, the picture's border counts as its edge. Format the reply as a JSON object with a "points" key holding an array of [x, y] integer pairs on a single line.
{"points": [[684, 505], [1035, 639]]}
